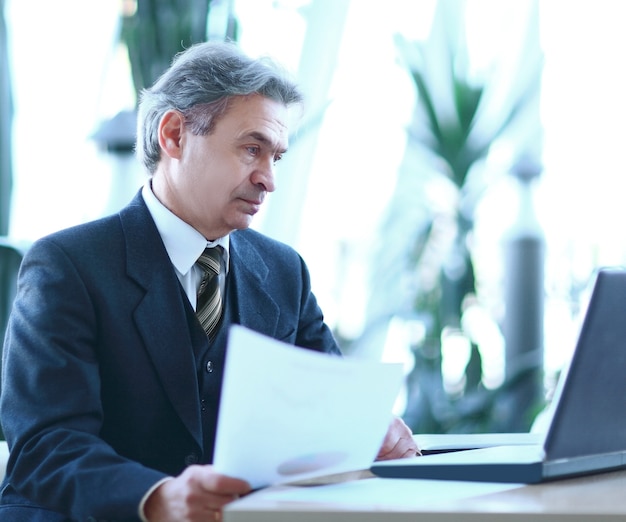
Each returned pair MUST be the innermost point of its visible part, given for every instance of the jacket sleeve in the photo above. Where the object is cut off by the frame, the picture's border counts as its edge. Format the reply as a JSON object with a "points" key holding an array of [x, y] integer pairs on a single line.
{"points": [[289, 284], [313, 332], [50, 403]]}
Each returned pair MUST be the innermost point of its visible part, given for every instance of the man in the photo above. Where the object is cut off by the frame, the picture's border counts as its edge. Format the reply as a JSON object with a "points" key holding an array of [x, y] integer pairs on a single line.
{"points": [[112, 361]]}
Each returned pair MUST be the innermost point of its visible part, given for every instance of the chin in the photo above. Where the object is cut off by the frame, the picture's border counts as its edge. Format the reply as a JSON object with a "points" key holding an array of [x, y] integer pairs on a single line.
{"points": [[242, 225], [239, 220]]}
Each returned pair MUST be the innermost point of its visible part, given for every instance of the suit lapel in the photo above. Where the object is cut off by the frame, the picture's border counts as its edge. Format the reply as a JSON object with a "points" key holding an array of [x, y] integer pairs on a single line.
{"points": [[257, 309], [166, 335]]}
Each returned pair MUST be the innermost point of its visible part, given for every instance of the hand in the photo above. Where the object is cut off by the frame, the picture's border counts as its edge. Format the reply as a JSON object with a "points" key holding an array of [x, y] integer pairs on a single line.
{"points": [[398, 442], [197, 494]]}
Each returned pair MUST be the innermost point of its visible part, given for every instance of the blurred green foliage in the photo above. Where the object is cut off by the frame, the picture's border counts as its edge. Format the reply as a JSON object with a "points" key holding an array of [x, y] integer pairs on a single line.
{"points": [[156, 30], [426, 272]]}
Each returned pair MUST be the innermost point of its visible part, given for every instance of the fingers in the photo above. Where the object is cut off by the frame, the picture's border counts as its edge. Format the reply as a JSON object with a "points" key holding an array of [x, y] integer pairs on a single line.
{"points": [[215, 490], [398, 442], [198, 494], [404, 448], [216, 483]]}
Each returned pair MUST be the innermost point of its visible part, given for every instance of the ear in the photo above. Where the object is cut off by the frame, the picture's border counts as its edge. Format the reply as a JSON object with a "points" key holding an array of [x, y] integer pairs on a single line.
{"points": [[171, 129]]}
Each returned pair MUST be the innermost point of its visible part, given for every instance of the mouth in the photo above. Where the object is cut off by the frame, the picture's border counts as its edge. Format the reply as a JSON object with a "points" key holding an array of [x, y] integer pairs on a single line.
{"points": [[254, 205]]}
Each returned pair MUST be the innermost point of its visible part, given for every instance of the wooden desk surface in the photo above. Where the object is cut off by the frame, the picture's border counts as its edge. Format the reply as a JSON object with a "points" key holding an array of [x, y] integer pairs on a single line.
{"points": [[598, 497]]}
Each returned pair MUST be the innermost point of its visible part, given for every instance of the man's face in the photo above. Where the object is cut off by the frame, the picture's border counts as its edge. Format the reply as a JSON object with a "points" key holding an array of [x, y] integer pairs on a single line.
{"points": [[220, 180]]}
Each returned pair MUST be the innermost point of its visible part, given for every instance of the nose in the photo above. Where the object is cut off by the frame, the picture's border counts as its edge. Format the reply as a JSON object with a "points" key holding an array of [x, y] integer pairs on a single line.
{"points": [[264, 176]]}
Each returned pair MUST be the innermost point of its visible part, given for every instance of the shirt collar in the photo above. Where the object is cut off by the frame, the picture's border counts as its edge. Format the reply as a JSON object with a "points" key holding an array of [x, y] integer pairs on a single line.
{"points": [[183, 243]]}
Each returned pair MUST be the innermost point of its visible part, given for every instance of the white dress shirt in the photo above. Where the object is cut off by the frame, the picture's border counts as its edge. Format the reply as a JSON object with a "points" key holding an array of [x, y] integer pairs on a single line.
{"points": [[184, 244]]}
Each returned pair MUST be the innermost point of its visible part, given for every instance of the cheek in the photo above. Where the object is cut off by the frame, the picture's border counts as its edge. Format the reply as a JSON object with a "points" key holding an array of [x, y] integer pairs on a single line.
{"points": [[202, 172], [216, 176]]}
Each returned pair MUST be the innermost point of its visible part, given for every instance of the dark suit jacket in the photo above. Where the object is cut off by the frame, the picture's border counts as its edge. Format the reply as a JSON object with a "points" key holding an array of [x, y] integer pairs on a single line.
{"points": [[100, 386]]}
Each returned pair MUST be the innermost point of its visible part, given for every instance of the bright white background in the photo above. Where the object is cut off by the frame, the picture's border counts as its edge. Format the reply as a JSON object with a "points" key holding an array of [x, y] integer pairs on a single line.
{"points": [[69, 75]]}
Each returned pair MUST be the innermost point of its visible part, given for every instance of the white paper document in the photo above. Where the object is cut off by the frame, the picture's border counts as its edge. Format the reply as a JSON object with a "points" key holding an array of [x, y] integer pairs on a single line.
{"points": [[289, 414]]}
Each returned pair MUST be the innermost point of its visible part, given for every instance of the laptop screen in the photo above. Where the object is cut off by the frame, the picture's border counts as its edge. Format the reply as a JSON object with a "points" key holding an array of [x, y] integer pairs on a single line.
{"points": [[590, 407]]}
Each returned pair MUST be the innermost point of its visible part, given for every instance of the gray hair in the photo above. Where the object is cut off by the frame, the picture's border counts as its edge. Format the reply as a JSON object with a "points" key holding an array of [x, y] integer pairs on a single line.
{"points": [[200, 83]]}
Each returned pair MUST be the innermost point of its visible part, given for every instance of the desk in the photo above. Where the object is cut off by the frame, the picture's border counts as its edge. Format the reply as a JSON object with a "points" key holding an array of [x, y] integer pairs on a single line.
{"points": [[598, 497]]}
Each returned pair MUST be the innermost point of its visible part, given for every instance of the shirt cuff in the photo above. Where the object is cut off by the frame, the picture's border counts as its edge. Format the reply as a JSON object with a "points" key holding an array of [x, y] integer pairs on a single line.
{"points": [[142, 504]]}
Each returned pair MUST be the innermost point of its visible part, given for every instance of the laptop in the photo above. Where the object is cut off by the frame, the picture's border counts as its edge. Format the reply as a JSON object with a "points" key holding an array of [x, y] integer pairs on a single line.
{"points": [[431, 443], [586, 433]]}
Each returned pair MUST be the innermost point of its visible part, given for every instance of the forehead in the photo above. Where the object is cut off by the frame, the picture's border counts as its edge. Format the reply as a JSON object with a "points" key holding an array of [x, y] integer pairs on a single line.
{"points": [[253, 115]]}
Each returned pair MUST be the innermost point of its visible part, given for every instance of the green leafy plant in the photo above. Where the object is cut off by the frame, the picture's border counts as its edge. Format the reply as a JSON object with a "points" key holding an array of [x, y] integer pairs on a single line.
{"points": [[426, 273], [156, 30]]}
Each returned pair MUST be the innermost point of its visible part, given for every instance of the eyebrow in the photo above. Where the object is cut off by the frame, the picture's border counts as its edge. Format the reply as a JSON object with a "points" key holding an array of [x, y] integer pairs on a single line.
{"points": [[259, 136]]}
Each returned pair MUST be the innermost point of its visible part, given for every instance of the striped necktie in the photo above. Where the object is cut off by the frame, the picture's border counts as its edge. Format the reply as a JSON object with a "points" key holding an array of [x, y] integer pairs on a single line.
{"points": [[209, 307]]}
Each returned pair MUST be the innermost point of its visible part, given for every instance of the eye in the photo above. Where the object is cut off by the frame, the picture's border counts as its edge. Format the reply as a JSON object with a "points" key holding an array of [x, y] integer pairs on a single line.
{"points": [[253, 149], [277, 158]]}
